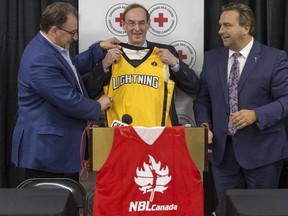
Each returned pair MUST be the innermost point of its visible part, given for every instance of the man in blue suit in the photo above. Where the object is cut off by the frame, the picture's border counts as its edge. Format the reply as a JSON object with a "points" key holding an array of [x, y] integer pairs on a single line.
{"points": [[53, 104], [253, 156]]}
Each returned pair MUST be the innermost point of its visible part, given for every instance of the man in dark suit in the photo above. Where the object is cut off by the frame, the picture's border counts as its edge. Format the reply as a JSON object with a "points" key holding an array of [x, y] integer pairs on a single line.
{"points": [[253, 156], [53, 104], [136, 22]]}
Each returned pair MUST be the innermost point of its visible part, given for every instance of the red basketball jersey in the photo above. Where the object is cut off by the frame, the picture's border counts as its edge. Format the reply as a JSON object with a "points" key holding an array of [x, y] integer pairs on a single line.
{"points": [[158, 179]]}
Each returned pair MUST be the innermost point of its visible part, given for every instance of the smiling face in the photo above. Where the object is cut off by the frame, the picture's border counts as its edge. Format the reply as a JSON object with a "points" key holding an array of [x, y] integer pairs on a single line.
{"points": [[136, 26], [234, 36]]}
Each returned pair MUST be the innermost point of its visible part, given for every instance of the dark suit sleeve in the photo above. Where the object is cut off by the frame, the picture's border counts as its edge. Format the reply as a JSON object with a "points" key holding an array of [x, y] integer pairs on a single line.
{"points": [[185, 79], [86, 60], [202, 103], [276, 63], [95, 80]]}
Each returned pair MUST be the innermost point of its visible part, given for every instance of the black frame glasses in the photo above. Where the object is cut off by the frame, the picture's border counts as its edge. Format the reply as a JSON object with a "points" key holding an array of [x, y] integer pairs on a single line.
{"points": [[72, 33], [132, 23]]}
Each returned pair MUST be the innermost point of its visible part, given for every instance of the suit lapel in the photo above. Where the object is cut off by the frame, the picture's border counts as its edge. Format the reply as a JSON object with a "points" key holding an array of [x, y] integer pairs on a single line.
{"points": [[69, 72], [82, 86], [253, 58], [150, 44], [222, 71]]}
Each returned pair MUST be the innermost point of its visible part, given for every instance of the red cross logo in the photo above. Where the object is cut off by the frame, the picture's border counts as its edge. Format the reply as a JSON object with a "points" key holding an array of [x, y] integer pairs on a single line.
{"points": [[119, 19], [181, 55], [164, 19], [161, 20]]}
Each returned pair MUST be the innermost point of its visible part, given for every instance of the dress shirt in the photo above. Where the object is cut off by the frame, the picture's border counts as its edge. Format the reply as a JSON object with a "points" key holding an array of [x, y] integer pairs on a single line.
{"points": [[242, 59]]}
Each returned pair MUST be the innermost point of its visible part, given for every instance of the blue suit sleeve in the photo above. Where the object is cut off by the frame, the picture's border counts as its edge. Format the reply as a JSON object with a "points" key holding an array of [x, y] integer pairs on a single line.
{"points": [[56, 85], [273, 112], [86, 60]]}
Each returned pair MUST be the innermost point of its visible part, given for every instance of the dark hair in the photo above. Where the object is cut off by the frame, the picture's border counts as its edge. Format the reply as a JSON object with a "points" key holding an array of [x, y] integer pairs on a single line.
{"points": [[246, 16], [56, 15], [135, 5]]}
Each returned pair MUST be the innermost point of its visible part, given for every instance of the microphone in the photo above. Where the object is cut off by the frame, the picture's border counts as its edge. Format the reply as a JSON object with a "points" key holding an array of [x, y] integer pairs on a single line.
{"points": [[126, 118], [125, 121]]}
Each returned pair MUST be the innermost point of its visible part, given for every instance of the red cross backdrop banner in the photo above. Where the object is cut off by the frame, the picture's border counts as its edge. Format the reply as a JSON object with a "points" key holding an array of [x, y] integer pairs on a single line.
{"points": [[178, 23]]}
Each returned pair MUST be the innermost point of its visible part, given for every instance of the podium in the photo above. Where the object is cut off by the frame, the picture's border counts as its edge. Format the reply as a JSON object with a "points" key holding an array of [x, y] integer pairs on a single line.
{"points": [[101, 138]]}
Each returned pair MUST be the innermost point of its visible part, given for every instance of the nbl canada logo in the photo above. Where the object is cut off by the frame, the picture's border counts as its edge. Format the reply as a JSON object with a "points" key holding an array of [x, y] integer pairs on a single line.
{"points": [[163, 19], [152, 178], [186, 52], [114, 20]]}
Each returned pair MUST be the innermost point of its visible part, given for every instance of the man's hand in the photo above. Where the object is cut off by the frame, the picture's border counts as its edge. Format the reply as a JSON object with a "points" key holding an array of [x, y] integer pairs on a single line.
{"points": [[167, 57], [113, 55], [243, 118], [110, 43], [105, 101]]}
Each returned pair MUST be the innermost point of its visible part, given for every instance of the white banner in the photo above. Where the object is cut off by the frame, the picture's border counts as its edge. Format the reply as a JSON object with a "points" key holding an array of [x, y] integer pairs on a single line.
{"points": [[179, 23]]}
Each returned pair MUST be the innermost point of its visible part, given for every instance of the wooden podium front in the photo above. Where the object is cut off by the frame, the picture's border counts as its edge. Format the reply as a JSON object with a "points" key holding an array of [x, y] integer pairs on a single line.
{"points": [[101, 142]]}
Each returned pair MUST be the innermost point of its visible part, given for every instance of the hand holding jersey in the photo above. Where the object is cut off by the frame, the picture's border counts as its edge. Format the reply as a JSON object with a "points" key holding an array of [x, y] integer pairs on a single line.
{"points": [[113, 55], [105, 102], [167, 57], [140, 86]]}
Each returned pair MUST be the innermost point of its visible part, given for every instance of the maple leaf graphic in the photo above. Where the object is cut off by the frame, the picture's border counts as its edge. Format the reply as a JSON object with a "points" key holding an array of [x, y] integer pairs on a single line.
{"points": [[152, 178]]}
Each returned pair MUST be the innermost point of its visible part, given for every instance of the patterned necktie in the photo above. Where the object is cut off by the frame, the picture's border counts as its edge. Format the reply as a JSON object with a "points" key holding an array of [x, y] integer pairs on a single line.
{"points": [[233, 91]]}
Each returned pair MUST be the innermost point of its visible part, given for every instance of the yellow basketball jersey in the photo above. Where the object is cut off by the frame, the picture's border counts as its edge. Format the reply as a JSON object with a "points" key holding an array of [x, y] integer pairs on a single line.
{"points": [[144, 91]]}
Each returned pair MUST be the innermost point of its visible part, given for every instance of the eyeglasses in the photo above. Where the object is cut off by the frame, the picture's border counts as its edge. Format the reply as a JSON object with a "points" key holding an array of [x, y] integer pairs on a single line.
{"points": [[132, 23], [72, 33]]}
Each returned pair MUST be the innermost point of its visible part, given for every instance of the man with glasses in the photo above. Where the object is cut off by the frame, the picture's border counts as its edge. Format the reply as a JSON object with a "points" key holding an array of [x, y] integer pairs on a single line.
{"points": [[53, 104], [136, 22]]}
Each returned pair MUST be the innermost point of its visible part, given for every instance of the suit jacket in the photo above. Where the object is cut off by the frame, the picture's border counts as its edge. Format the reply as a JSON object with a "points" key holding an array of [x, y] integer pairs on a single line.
{"points": [[263, 87], [185, 79], [52, 111]]}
